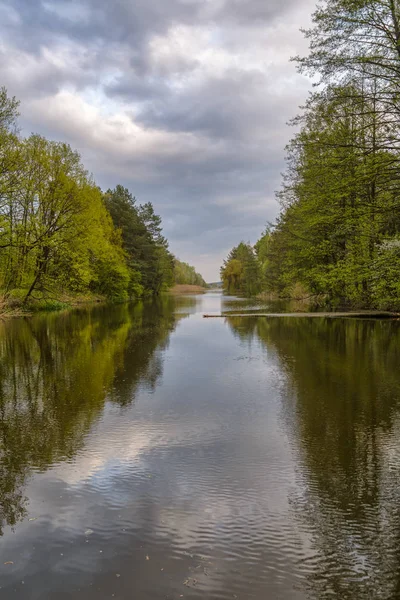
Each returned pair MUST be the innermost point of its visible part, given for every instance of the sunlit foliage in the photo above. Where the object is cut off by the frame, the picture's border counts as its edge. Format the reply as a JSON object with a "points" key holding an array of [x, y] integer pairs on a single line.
{"points": [[60, 234]]}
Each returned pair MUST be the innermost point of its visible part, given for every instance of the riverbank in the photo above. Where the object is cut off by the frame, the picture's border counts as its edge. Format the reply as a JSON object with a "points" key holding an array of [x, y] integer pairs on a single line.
{"points": [[106, 412], [320, 302], [12, 306], [187, 289]]}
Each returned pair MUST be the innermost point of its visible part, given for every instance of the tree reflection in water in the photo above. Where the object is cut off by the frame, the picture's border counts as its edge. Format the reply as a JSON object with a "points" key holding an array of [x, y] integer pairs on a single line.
{"points": [[340, 399], [57, 371]]}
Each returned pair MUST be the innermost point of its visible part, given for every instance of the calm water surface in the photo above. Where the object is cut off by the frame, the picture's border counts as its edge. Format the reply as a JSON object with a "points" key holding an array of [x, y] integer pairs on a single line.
{"points": [[148, 453]]}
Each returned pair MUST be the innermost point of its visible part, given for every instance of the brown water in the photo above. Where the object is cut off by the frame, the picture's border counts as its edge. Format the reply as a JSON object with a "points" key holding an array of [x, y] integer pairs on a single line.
{"points": [[148, 453]]}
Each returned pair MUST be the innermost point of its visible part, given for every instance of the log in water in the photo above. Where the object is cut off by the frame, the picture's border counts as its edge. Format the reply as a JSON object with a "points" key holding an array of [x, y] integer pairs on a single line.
{"points": [[310, 315]]}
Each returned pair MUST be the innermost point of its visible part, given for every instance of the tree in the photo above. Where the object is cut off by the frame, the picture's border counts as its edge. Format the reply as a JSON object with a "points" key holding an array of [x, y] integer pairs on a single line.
{"points": [[232, 275], [150, 261], [161, 263], [185, 274], [337, 235], [357, 42], [9, 166], [60, 234], [336, 200], [240, 272], [121, 205]]}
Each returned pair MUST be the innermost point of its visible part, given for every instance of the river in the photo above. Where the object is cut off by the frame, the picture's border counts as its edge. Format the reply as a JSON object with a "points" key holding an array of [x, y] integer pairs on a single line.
{"points": [[147, 453]]}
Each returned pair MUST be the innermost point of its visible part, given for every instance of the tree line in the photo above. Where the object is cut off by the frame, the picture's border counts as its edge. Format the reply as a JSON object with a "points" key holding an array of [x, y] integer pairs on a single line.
{"points": [[61, 234], [337, 238], [185, 274]]}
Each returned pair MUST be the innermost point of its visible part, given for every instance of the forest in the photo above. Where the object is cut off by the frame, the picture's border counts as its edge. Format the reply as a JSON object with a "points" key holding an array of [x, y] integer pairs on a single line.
{"points": [[62, 237], [336, 240]]}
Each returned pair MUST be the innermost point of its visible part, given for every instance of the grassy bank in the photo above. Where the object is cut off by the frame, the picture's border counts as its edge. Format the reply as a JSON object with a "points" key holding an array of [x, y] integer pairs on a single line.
{"points": [[12, 304], [187, 289]]}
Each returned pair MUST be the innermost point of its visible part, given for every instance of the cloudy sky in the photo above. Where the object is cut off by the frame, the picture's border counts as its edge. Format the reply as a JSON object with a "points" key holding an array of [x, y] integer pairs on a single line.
{"points": [[183, 101]]}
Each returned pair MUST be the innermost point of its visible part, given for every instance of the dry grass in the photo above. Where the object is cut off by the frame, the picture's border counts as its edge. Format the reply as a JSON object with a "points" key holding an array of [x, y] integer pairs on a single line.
{"points": [[9, 309], [187, 289]]}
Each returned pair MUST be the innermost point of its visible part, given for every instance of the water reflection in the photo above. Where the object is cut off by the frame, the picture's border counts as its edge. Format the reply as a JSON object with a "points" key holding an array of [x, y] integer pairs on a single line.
{"points": [[236, 304], [248, 457], [341, 397], [56, 372]]}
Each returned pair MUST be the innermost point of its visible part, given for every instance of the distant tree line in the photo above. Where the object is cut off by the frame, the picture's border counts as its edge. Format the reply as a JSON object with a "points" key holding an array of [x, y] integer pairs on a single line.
{"points": [[187, 275], [59, 233], [337, 237], [240, 272]]}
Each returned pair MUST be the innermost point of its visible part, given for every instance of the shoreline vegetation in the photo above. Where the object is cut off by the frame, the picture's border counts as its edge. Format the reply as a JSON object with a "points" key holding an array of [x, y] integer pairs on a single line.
{"points": [[179, 289], [63, 240], [10, 308], [336, 242]]}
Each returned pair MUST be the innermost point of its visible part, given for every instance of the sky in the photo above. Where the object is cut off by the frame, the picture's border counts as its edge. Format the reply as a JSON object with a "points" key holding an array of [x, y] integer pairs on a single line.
{"points": [[185, 102]]}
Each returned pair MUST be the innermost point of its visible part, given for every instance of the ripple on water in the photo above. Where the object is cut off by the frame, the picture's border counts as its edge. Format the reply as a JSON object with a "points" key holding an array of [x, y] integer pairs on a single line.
{"points": [[247, 459]]}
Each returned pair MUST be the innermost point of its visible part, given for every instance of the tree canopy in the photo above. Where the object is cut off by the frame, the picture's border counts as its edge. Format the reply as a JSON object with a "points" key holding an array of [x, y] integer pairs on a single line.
{"points": [[60, 234], [240, 272], [185, 274], [337, 237]]}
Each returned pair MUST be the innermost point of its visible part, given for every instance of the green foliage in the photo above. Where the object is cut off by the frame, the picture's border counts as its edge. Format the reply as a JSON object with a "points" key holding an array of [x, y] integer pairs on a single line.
{"points": [[60, 234], [384, 278], [149, 261], [8, 112], [336, 238], [185, 274], [48, 306], [241, 272], [339, 202]]}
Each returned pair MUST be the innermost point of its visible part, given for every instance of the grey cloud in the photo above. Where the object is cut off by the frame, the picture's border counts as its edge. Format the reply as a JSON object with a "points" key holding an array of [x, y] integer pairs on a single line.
{"points": [[130, 21], [231, 106], [116, 22], [214, 181], [255, 12], [137, 89]]}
